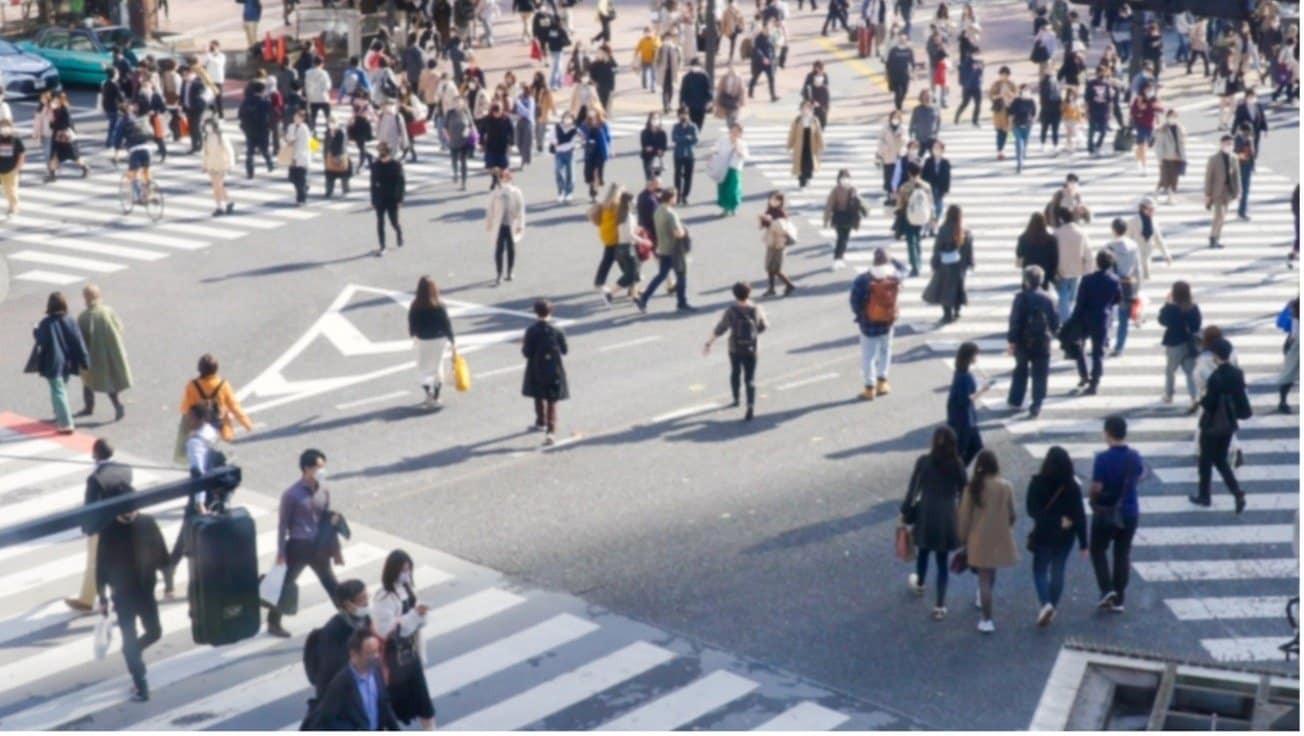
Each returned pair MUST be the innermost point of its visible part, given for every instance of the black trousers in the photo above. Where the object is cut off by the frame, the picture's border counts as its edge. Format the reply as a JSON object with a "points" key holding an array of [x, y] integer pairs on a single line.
{"points": [[505, 245], [743, 367], [1190, 61], [899, 90], [683, 178], [299, 178], [1213, 454], [667, 90], [1099, 337], [195, 121], [604, 265], [1035, 366], [1052, 126], [130, 608], [843, 233], [1103, 535], [593, 170], [698, 116], [390, 210], [966, 96], [333, 176], [768, 72], [253, 146], [313, 109], [301, 553]]}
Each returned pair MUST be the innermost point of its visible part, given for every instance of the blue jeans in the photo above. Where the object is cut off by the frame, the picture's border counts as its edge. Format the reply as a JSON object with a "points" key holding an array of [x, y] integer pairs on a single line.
{"points": [[1096, 130], [1067, 287], [912, 247], [59, 401], [875, 357], [1048, 564], [554, 79], [939, 203], [649, 76], [1247, 173], [921, 570], [564, 172], [666, 264], [111, 133], [1120, 336], [1001, 136], [1021, 133]]}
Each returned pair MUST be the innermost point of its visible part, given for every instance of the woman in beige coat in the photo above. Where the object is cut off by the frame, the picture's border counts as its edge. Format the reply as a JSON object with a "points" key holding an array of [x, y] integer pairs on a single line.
{"points": [[986, 526], [806, 144], [1170, 149]]}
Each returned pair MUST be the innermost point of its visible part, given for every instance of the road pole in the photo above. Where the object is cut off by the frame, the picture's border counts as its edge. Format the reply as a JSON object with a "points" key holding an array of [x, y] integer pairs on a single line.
{"points": [[712, 38]]}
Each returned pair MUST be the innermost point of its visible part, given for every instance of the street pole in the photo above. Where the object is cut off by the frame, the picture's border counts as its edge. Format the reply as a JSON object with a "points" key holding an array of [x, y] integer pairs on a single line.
{"points": [[712, 37]]}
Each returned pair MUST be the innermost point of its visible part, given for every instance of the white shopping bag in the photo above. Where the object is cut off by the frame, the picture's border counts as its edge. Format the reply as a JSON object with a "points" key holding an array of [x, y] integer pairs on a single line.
{"points": [[103, 636], [269, 590]]}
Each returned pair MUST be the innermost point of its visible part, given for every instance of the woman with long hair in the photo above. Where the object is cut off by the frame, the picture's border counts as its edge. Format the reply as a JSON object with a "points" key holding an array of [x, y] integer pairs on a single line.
{"points": [[58, 354], [961, 415], [986, 526], [1181, 320], [606, 216], [1054, 503], [218, 159], [930, 510], [63, 138], [596, 135], [1037, 246], [431, 332], [952, 257], [398, 617], [777, 234], [653, 142]]}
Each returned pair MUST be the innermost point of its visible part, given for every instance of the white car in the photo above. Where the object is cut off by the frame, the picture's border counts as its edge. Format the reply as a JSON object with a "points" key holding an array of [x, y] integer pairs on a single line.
{"points": [[24, 74]]}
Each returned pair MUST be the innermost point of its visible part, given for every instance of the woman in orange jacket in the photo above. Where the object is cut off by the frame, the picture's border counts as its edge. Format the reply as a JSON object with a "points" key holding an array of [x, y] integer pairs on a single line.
{"points": [[213, 391]]}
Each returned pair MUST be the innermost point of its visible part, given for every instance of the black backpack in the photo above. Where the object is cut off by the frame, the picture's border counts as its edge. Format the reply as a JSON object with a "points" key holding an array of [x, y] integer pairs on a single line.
{"points": [[388, 87], [1035, 338], [746, 328], [212, 408], [312, 656]]}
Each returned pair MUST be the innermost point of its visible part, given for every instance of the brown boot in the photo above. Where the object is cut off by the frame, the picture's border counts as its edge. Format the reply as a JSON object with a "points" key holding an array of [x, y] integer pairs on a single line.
{"points": [[883, 387], [868, 393]]}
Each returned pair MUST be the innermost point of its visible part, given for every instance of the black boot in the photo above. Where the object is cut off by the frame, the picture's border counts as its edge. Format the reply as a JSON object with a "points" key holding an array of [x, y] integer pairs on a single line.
{"points": [[1282, 392], [119, 411], [88, 402]]}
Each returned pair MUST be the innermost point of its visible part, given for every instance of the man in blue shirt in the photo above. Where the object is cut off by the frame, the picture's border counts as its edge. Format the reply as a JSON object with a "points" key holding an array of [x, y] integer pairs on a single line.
{"points": [[1114, 512], [1098, 293], [356, 699], [304, 506]]}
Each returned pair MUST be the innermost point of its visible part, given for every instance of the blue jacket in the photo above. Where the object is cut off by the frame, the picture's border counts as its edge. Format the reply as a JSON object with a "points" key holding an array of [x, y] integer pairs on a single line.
{"points": [[253, 11], [599, 139], [961, 415], [1096, 294], [860, 297]]}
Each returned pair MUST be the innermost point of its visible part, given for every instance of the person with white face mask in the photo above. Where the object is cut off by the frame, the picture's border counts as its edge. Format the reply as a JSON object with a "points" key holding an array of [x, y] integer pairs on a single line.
{"points": [[806, 144], [304, 507], [843, 211], [1222, 186], [398, 617]]}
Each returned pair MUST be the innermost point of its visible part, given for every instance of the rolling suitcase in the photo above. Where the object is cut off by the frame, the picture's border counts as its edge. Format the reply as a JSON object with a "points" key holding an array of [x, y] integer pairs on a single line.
{"points": [[223, 591], [863, 39]]}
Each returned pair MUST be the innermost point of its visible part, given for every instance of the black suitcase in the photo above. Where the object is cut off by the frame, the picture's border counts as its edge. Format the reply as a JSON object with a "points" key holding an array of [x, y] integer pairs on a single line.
{"points": [[223, 591]]}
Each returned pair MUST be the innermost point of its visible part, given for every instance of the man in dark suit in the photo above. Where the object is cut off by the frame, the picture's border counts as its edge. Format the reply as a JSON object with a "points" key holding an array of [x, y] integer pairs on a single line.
{"points": [[1250, 113], [356, 698], [1098, 294], [109, 478], [193, 105], [131, 554]]}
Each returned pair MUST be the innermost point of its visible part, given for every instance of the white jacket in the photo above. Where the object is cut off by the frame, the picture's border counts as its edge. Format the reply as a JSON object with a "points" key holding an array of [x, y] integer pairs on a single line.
{"points": [[506, 206], [317, 85], [298, 136], [387, 615], [391, 129], [215, 66], [218, 156]]}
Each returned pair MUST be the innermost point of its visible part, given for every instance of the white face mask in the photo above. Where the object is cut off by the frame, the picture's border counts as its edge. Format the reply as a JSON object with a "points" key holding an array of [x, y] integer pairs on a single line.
{"points": [[1227, 148], [320, 475], [819, 79], [844, 181], [405, 578], [361, 612]]}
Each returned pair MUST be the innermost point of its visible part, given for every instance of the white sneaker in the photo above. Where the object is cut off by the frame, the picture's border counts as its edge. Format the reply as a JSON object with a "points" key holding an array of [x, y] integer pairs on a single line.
{"points": [[1043, 147], [1046, 615], [561, 198], [548, 440], [986, 626], [839, 264], [913, 584]]}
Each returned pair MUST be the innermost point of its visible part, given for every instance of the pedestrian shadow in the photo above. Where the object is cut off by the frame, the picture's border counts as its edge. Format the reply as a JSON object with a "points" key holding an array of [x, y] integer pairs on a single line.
{"points": [[442, 458], [726, 430], [823, 531], [282, 268], [470, 214], [841, 343], [317, 424], [916, 440]]}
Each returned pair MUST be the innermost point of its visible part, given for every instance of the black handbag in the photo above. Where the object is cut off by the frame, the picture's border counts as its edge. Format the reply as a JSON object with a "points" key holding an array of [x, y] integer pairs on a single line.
{"points": [[33, 360]]}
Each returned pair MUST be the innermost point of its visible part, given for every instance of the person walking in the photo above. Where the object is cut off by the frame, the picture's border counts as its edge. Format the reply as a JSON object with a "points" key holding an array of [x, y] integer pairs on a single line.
{"points": [[1099, 293], [695, 92], [731, 154], [1051, 114], [524, 115], [805, 144], [255, 115], [297, 138], [109, 372], [874, 297], [13, 155], [1072, 114], [1143, 229], [1054, 503], [937, 172], [961, 414], [1115, 513], [762, 60], [892, 141], [684, 137], [59, 353], [1224, 405], [108, 480], [1246, 155], [925, 122], [729, 95], [356, 698], [388, 187], [913, 211], [1074, 260], [1127, 267], [1170, 149], [1038, 247], [985, 525], [777, 234], [1288, 320], [1145, 113], [652, 145], [496, 137], [218, 159], [1022, 113], [899, 65], [1222, 186], [596, 134], [432, 334], [130, 554], [952, 258], [1001, 95], [669, 60], [505, 223], [398, 617], [217, 399], [563, 152], [843, 211], [929, 509], [671, 240], [815, 90], [337, 163], [304, 509], [971, 87], [744, 321], [1033, 326], [608, 218], [1180, 317], [545, 382]]}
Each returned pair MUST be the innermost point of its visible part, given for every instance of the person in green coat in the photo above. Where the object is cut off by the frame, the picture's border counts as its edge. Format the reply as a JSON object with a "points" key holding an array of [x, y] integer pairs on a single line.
{"points": [[109, 372]]}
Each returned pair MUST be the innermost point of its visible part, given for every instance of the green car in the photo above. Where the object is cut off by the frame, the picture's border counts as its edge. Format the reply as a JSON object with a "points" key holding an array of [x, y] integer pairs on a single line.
{"points": [[82, 54]]}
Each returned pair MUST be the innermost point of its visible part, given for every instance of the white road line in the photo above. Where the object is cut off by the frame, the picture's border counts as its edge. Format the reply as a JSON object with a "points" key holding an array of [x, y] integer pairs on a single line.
{"points": [[685, 705], [1166, 571], [136, 236], [75, 242], [1232, 607], [1244, 648], [685, 412], [1249, 472], [805, 382], [1139, 425], [1222, 502], [1173, 536], [1171, 449], [84, 264], [372, 400], [41, 473], [629, 343], [454, 674], [41, 276], [805, 716], [468, 610], [20, 448], [565, 690], [498, 371]]}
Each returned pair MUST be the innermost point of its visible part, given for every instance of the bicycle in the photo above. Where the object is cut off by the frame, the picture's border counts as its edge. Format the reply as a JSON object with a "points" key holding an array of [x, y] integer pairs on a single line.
{"points": [[132, 192]]}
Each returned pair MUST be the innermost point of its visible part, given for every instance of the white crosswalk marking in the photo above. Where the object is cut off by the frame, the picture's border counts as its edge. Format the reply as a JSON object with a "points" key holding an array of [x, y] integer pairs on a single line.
{"points": [[1241, 288], [498, 634], [804, 717]]}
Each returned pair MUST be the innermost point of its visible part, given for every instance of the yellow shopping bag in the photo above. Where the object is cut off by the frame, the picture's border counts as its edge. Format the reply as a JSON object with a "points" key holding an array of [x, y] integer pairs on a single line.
{"points": [[461, 373], [314, 145]]}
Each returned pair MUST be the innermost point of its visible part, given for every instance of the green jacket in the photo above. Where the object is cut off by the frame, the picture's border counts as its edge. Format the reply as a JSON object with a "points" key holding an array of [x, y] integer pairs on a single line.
{"points": [[102, 331]]}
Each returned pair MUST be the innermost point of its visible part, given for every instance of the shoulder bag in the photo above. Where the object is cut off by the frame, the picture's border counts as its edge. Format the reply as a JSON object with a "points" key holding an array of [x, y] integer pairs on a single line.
{"points": [[1030, 546], [1112, 515]]}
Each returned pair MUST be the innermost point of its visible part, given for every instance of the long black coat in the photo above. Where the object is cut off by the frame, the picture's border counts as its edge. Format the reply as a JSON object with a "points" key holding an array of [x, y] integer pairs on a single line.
{"points": [[541, 339], [936, 493]]}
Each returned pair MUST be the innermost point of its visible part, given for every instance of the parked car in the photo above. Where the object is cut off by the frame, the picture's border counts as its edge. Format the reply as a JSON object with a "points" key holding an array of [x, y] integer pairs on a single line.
{"points": [[82, 54], [23, 74]]}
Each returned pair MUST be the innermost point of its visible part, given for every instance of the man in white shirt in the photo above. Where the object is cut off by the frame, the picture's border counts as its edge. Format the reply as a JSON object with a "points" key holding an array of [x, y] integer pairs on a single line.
{"points": [[1127, 266], [317, 90], [214, 61]]}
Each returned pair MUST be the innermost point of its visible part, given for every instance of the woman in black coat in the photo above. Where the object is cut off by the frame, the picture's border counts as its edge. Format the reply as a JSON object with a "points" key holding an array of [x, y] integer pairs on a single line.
{"points": [[1054, 502], [545, 374], [952, 258], [59, 353], [652, 146], [930, 509]]}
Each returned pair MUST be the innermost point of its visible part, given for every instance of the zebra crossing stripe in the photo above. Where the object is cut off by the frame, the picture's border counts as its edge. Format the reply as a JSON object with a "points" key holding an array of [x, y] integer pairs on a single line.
{"points": [[89, 246], [54, 259], [35, 474], [1221, 503], [464, 670], [1142, 425], [687, 704], [805, 716], [1231, 607], [1241, 648], [1166, 571], [1202, 536], [1251, 473], [42, 276], [1181, 449]]}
